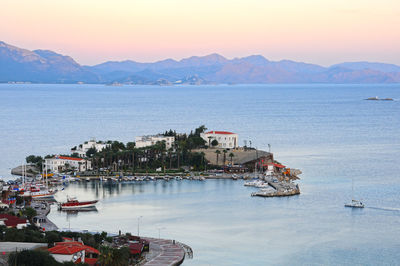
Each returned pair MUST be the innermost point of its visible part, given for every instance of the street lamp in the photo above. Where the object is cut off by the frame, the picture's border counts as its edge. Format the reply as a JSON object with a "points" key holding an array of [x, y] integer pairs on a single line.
{"points": [[159, 230], [138, 222]]}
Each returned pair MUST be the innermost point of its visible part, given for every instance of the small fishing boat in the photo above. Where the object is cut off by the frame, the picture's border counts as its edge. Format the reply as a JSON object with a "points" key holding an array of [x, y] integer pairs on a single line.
{"points": [[74, 204], [355, 204]]}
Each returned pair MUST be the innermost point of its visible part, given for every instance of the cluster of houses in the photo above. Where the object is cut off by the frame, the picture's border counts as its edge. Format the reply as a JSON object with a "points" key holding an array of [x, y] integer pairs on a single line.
{"points": [[74, 250], [56, 164]]}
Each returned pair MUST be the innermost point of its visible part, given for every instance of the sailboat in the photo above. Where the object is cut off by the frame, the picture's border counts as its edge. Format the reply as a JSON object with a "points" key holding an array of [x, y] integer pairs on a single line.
{"points": [[354, 203]]}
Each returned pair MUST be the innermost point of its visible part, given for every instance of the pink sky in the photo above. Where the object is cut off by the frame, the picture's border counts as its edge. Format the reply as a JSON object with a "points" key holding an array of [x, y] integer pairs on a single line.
{"points": [[316, 31]]}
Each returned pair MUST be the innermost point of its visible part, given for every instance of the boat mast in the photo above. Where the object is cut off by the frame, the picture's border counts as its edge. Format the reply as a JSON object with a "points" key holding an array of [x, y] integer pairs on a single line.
{"points": [[47, 185]]}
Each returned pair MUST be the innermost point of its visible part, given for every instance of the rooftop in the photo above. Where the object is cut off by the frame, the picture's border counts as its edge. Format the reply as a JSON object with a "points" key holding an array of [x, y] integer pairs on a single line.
{"points": [[11, 220], [71, 247], [68, 158], [220, 132]]}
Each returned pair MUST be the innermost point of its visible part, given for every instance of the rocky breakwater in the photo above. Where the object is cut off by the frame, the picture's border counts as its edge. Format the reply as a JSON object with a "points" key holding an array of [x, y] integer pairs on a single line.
{"points": [[282, 189], [276, 185]]}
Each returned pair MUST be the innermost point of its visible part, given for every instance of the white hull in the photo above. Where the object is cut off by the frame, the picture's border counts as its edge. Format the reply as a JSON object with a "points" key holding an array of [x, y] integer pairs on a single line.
{"points": [[79, 207]]}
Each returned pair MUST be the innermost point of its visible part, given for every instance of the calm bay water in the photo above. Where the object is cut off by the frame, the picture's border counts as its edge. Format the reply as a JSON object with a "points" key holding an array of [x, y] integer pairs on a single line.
{"points": [[327, 131]]}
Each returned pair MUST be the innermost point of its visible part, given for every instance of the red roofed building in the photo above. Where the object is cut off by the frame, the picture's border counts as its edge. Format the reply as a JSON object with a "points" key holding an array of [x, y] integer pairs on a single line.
{"points": [[60, 163], [226, 139], [74, 251], [12, 221]]}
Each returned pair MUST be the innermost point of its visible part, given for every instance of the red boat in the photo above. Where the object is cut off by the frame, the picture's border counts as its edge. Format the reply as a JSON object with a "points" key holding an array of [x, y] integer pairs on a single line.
{"points": [[74, 204]]}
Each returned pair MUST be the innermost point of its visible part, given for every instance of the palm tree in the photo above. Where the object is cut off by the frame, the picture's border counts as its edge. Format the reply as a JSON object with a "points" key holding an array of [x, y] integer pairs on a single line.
{"points": [[106, 256], [169, 155], [202, 158], [224, 151], [231, 155], [218, 152], [209, 141]]}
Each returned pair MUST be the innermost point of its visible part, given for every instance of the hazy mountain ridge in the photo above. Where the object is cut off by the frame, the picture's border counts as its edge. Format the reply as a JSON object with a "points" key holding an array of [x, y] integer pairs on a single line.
{"points": [[45, 66]]}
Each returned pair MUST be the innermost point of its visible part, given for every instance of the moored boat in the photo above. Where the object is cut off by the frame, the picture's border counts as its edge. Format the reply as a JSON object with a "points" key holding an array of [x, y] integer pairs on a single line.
{"points": [[74, 204]]}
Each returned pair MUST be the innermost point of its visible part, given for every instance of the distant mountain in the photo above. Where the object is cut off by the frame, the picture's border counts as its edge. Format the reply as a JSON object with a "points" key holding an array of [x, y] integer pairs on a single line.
{"points": [[40, 66], [386, 68], [44, 66]]}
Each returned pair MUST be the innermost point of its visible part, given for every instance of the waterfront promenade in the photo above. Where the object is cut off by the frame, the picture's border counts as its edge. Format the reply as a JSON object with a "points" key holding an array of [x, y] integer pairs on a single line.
{"points": [[164, 252]]}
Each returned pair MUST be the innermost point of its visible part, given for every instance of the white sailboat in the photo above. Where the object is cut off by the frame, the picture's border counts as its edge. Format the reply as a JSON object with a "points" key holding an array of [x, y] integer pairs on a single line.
{"points": [[354, 203]]}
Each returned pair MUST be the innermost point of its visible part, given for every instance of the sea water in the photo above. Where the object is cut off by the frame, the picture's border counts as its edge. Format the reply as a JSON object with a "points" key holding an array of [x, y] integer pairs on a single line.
{"points": [[327, 131]]}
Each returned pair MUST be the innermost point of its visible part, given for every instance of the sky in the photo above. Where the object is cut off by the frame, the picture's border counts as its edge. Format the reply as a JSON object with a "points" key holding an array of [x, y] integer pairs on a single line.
{"points": [[316, 31]]}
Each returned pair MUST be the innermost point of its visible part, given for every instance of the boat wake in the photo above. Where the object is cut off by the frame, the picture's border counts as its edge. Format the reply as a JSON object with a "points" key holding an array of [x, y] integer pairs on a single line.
{"points": [[386, 209]]}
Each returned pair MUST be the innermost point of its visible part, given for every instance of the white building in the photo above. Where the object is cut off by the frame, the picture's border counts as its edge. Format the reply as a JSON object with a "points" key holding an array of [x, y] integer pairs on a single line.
{"points": [[60, 163], [83, 148], [145, 141], [226, 140]]}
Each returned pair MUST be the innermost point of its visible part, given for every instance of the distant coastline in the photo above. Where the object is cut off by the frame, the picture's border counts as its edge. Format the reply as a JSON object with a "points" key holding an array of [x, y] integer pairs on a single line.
{"points": [[18, 65]]}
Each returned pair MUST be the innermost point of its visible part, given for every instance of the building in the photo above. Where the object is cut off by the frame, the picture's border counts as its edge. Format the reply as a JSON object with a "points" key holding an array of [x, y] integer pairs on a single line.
{"points": [[74, 251], [62, 163], [145, 141], [82, 149], [11, 221], [226, 140]]}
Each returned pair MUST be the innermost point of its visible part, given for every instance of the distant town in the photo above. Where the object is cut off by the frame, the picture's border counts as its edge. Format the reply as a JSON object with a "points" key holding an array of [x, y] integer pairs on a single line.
{"points": [[199, 155]]}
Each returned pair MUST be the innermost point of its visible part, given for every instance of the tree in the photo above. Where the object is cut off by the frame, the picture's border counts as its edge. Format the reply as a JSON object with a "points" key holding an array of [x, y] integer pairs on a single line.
{"points": [[106, 256], [52, 237], [121, 256], [91, 152], [130, 146], [114, 256], [218, 152], [200, 130], [36, 160], [214, 143], [231, 155], [30, 213], [32, 258], [224, 151]]}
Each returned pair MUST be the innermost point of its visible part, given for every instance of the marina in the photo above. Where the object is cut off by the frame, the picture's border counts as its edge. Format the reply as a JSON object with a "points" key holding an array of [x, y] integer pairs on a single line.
{"points": [[219, 213]]}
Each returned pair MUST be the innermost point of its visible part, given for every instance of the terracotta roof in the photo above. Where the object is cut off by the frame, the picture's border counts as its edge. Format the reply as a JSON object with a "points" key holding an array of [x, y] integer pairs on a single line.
{"points": [[71, 248], [136, 248], [276, 165], [66, 249], [11, 220], [68, 158], [220, 132]]}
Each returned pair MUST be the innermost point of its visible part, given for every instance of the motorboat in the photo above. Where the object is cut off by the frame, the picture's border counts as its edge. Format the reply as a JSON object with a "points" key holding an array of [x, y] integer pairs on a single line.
{"points": [[73, 204], [355, 204]]}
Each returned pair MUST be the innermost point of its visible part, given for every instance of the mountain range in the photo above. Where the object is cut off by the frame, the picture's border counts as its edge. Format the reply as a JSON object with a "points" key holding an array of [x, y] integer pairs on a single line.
{"points": [[44, 66]]}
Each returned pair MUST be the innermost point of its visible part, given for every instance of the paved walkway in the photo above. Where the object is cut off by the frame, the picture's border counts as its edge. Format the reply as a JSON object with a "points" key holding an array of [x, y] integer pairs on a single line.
{"points": [[165, 252], [42, 215]]}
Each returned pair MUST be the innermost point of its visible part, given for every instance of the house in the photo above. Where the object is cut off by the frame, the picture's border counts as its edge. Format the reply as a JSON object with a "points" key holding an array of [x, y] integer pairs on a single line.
{"points": [[61, 163], [226, 140], [74, 251], [82, 149], [135, 244], [150, 140], [11, 221]]}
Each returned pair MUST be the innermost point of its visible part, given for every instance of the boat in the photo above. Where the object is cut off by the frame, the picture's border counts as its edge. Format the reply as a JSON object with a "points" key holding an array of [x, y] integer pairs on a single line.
{"points": [[354, 203], [73, 204], [43, 194]]}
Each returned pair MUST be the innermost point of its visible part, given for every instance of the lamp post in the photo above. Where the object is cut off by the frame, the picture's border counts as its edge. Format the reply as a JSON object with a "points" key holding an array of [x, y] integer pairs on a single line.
{"points": [[159, 231], [138, 222]]}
